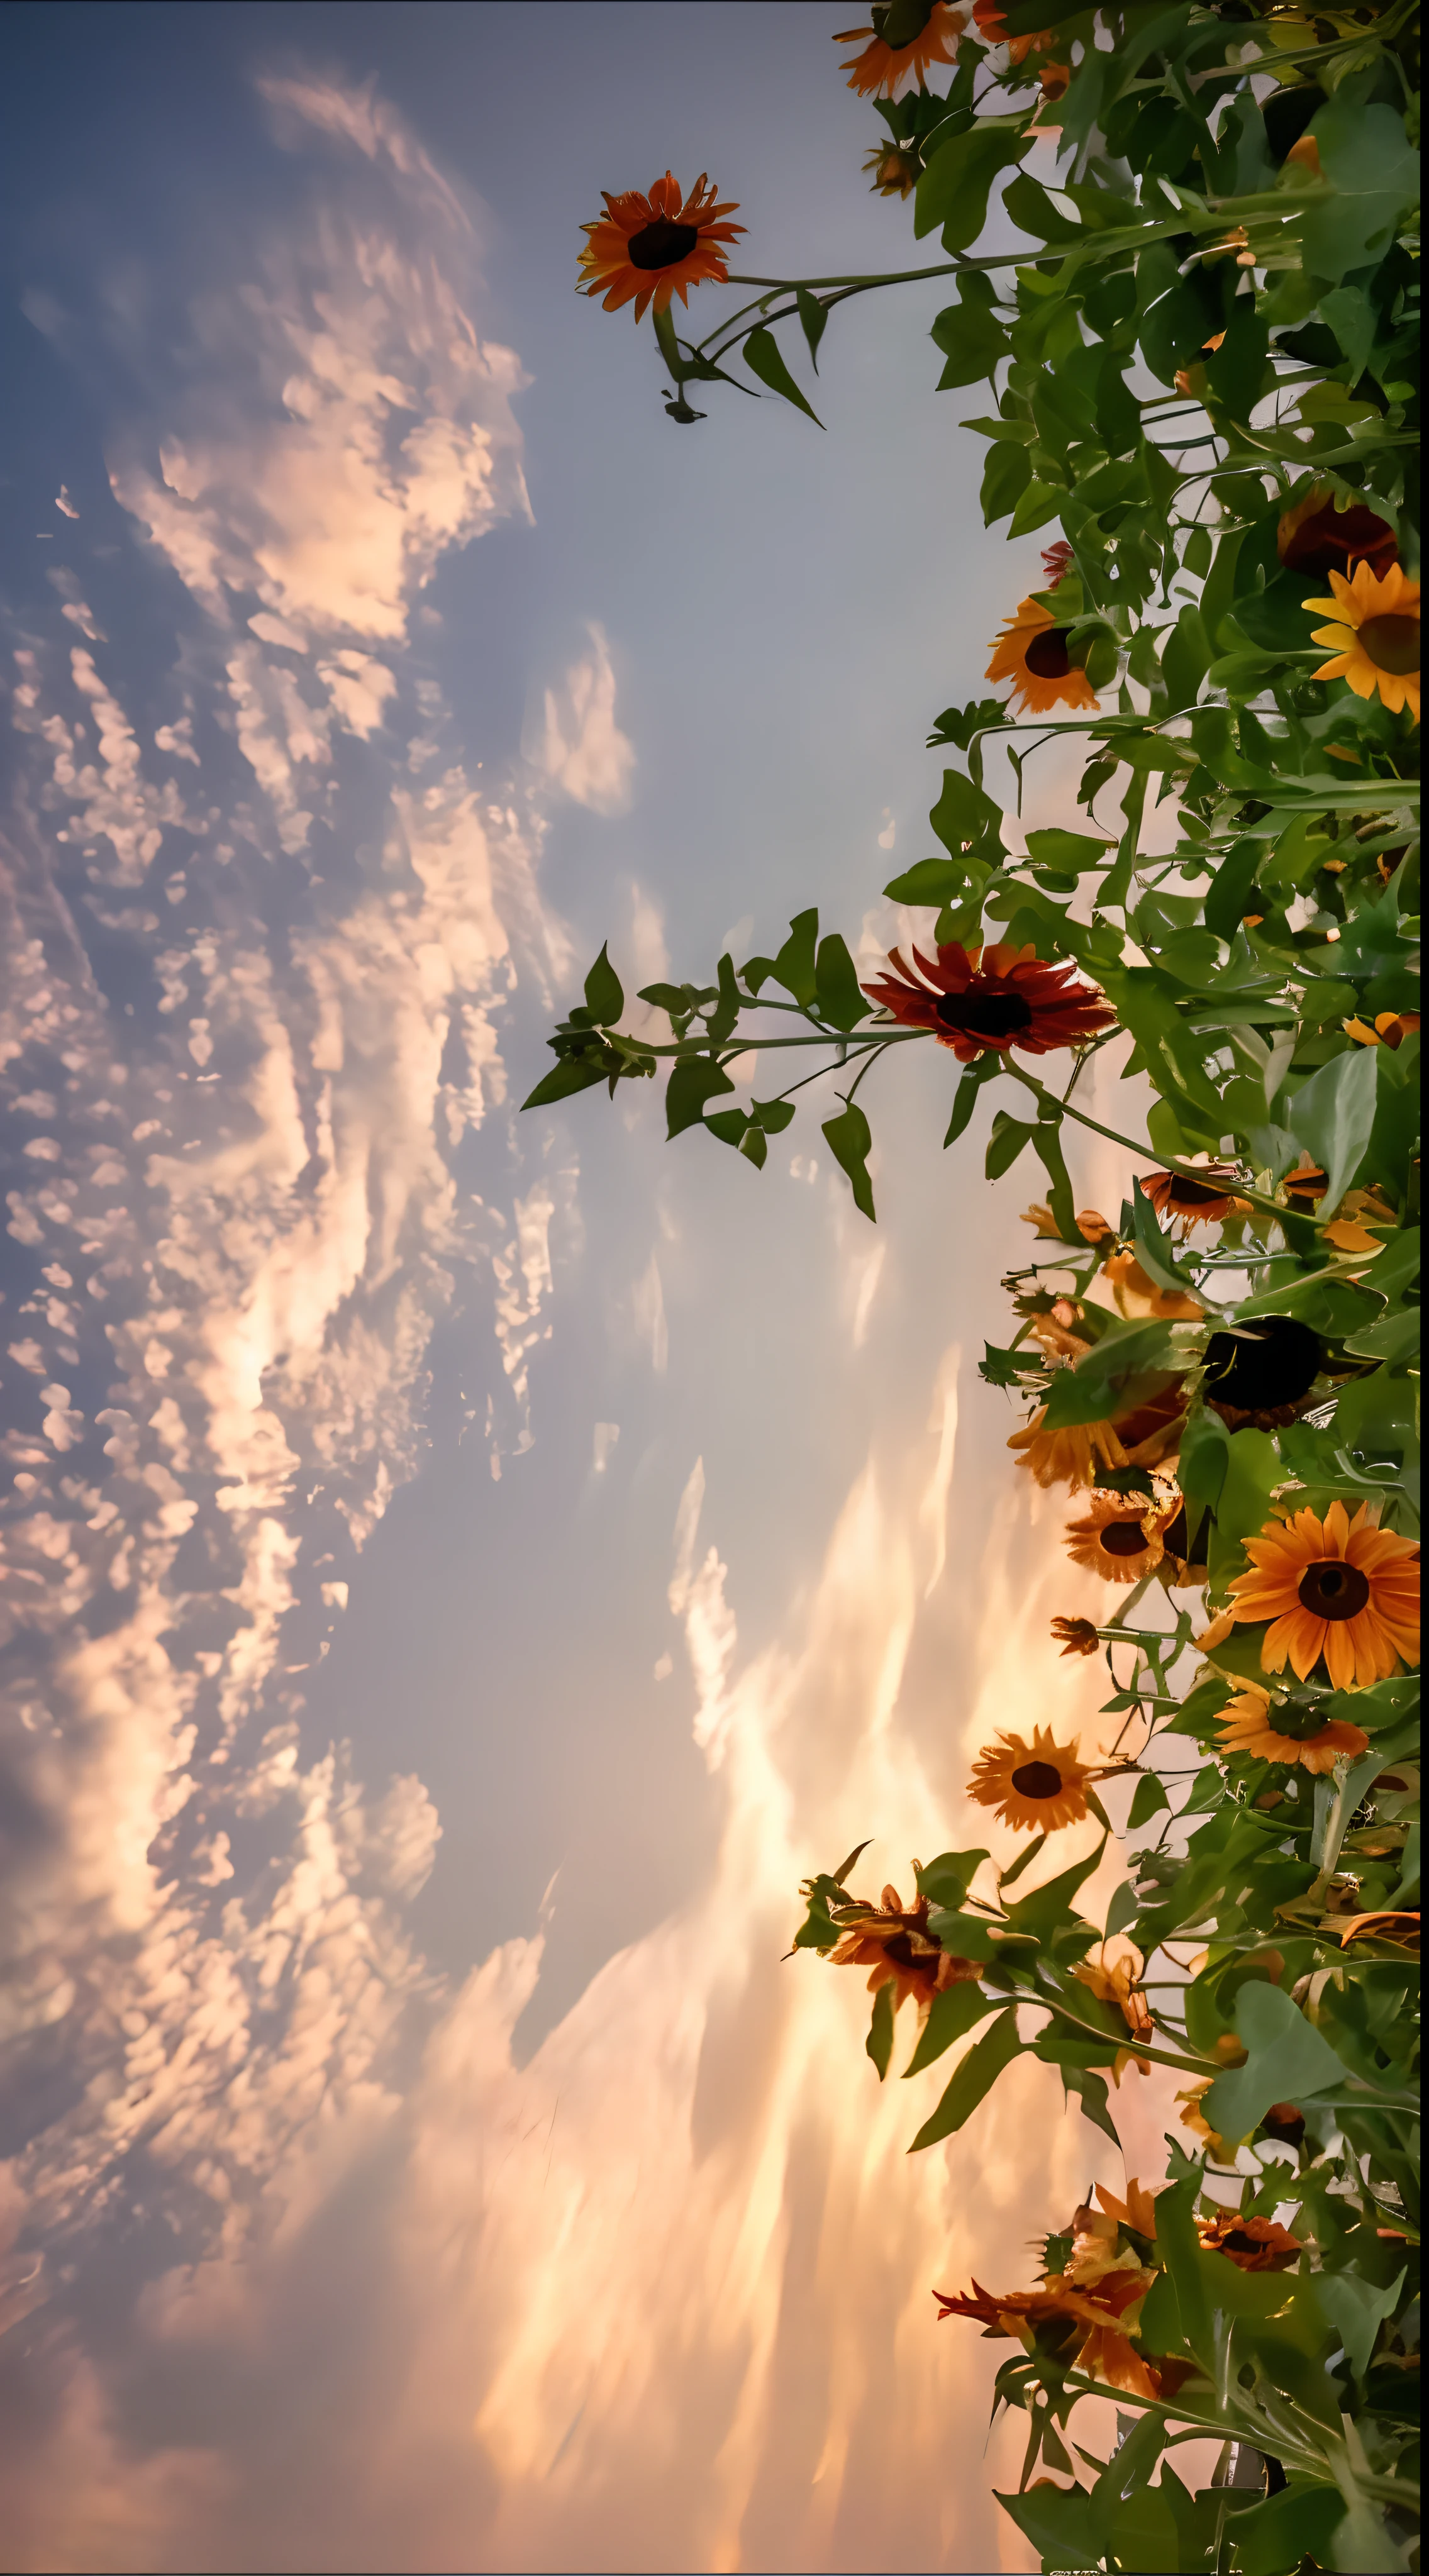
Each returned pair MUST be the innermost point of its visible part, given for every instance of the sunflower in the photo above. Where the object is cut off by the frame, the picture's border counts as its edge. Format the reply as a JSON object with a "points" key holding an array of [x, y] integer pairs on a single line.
{"points": [[1253, 2244], [1375, 640], [1074, 1454], [905, 37], [1261, 1371], [1338, 1588], [1137, 2211], [655, 247], [896, 1945], [1031, 652], [1116, 1983], [1075, 1636], [1400, 1930], [1120, 1538], [996, 997], [1096, 2314], [1202, 1201], [1034, 1787], [1390, 1029], [895, 172], [1245, 1728], [1136, 1294], [1318, 536]]}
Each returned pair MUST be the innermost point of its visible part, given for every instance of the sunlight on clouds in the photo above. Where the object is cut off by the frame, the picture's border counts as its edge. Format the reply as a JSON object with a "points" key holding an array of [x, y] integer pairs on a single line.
{"points": [[579, 744]]}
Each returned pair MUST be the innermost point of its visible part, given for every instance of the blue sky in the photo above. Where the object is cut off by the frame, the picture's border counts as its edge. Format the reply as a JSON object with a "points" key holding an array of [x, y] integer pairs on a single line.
{"points": [[468, 1566]]}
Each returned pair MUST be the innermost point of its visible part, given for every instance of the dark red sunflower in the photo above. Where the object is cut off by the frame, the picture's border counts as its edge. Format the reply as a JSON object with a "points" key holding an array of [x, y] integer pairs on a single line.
{"points": [[974, 999]]}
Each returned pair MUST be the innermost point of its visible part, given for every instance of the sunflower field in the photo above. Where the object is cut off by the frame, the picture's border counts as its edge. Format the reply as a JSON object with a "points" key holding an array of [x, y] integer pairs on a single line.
{"points": [[1200, 377]]}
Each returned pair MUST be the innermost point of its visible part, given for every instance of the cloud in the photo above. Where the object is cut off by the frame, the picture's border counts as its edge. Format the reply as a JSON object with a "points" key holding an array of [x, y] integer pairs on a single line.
{"points": [[578, 743]]}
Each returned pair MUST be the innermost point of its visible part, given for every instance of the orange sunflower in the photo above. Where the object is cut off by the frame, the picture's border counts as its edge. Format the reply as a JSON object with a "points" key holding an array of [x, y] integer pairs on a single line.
{"points": [[996, 997], [1096, 2312], [1222, 2150], [1202, 1201], [1120, 1539], [1338, 1588], [1031, 652], [1075, 1636], [1036, 1787], [655, 247], [905, 37], [1316, 536], [895, 1944], [1390, 1029], [895, 172], [1246, 1728], [1375, 638], [1115, 1982], [1075, 1454], [1253, 2244], [1137, 1294]]}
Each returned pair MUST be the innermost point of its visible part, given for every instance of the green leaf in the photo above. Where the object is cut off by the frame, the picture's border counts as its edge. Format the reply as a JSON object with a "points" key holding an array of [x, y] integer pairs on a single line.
{"points": [[1005, 477], [879, 2043], [965, 1097], [573, 1073], [1288, 2528], [1050, 1906], [1104, 1381], [966, 819], [1009, 1138], [836, 985], [953, 190], [1077, 851], [1236, 370], [694, 1080], [1154, 1249], [1057, 2521], [605, 998], [794, 967], [764, 359], [1356, 2309], [814, 316], [1332, 1115], [971, 339], [1254, 1468], [951, 2016], [1148, 1800], [1374, 176], [929, 881], [946, 1880], [849, 1140], [1288, 2059], [972, 2081]]}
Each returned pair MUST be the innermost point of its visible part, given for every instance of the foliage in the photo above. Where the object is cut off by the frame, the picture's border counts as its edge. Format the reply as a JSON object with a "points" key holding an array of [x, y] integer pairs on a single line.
{"points": [[1203, 361]]}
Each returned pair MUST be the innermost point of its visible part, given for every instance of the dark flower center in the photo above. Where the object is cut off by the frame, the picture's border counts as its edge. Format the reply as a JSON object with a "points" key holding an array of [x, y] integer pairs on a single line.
{"points": [[899, 1950], [1392, 643], [984, 1015], [1037, 1780], [1273, 1361], [1122, 1538], [1332, 1590], [1175, 1537], [1194, 1194], [1046, 655], [900, 22], [1283, 2121], [662, 244], [1332, 540], [1236, 2241]]}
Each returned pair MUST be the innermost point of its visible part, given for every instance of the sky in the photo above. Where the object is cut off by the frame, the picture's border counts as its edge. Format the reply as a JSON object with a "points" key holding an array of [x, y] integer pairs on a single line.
{"points": [[463, 1569]]}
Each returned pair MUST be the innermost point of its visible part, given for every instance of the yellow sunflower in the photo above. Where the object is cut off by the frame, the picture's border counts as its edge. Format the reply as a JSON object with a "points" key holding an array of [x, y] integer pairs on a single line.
{"points": [[905, 37], [1036, 1787], [1115, 1982], [1221, 2150], [1031, 652], [1338, 1588], [653, 248], [1245, 1728], [1375, 640], [1075, 1454], [1120, 1538]]}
